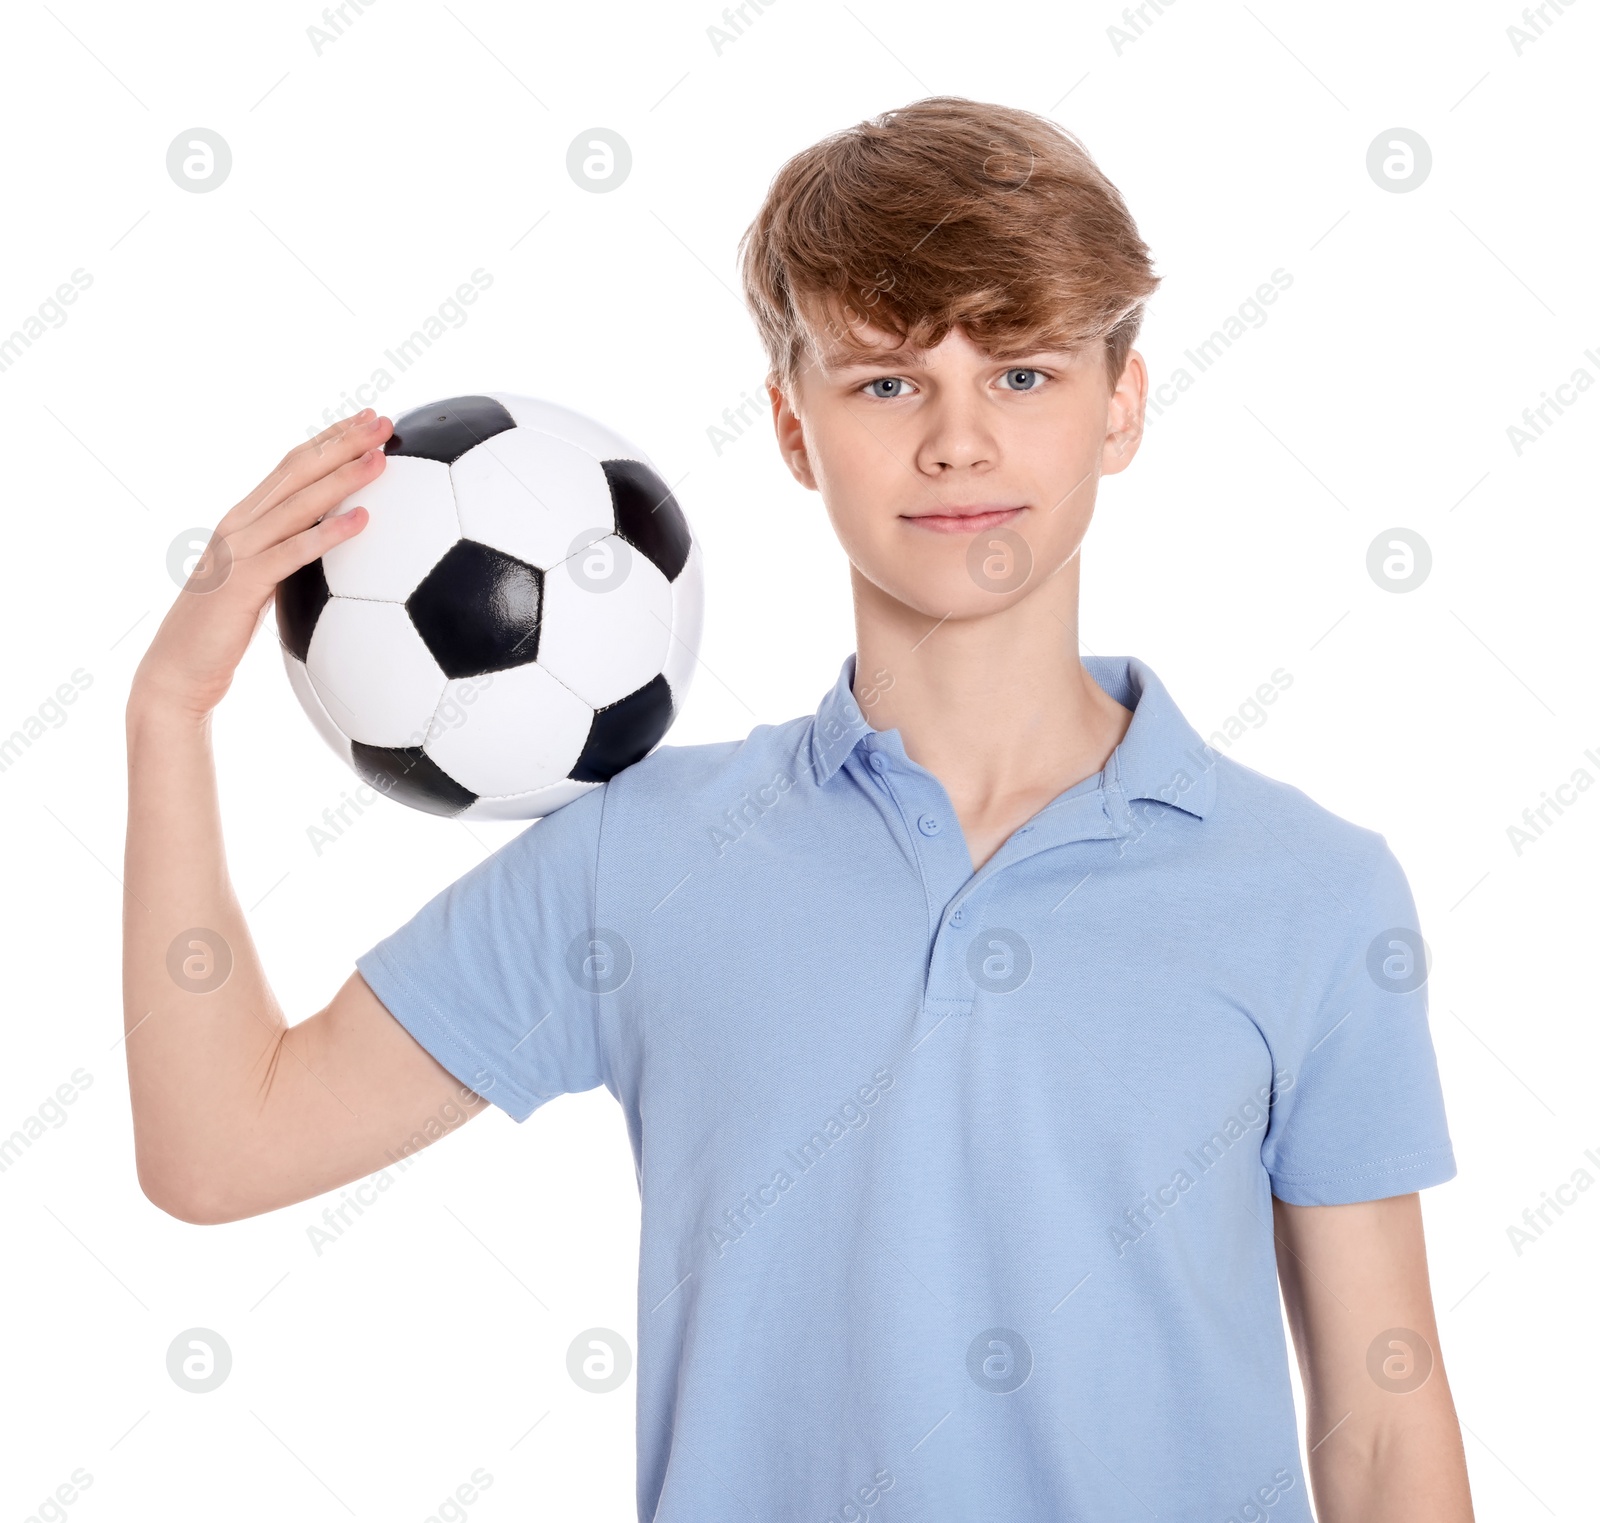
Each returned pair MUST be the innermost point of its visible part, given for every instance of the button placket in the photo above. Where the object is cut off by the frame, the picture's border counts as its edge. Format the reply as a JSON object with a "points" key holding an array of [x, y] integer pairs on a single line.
{"points": [[952, 984], [946, 868], [949, 989], [941, 853]]}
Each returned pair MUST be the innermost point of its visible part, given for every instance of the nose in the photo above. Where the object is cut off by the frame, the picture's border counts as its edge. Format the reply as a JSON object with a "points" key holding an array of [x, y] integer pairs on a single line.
{"points": [[957, 434]]}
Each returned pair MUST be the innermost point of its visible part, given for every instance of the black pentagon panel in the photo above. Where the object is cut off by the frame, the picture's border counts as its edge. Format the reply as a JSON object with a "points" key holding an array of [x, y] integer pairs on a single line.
{"points": [[624, 732], [648, 515], [408, 774], [300, 597], [445, 431], [478, 610]]}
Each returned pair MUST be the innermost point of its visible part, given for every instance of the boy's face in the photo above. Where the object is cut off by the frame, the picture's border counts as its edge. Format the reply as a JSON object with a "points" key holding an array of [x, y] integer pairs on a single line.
{"points": [[906, 448]]}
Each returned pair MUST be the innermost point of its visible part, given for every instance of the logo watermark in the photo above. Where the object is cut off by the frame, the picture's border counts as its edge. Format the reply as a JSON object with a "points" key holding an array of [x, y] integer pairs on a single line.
{"points": [[1399, 1360], [999, 560], [450, 313], [199, 960], [199, 159], [50, 313], [53, 1508], [331, 30], [459, 694], [1399, 159], [1250, 714], [598, 1360], [1536, 818], [597, 561], [199, 560], [867, 1495], [849, 1117], [999, 960], [49, 715], [1537, 421], [1248, 1117], [1537, 20], [337, 1220], [199, 1360], [1136, 21], [1255, 1507], [1399, 960], [754, 804], [1249, 314], [736, 21], [1399, 560], [735, 421], [999, 1361], [599, 160], [335, 821], [452, 1508], [599, 960], [49, 1116], [1536, 1219]]}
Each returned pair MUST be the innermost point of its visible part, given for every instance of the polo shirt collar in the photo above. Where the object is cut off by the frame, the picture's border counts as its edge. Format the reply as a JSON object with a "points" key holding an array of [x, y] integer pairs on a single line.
{"points": [[1161, 758]]}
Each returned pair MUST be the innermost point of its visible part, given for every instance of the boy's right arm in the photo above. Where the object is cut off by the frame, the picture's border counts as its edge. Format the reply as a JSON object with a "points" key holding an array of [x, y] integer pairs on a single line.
{"points": [[236, 1112]]}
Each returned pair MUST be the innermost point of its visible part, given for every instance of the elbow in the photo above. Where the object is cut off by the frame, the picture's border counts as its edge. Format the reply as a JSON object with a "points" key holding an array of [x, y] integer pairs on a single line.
{"points": [[185, 1204]]}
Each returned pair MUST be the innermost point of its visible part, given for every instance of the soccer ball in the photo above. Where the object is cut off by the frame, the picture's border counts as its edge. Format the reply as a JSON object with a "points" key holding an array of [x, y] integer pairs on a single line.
{"points": [[517, 622]]}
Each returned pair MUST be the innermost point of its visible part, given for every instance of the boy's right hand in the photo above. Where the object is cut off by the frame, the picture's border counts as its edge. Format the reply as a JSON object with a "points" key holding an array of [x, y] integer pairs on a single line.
{"points": [[275, 530]]}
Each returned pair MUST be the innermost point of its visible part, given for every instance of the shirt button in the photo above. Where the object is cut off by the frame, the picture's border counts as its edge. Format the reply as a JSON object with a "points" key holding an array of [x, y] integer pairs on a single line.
{"points": [[876, 762], [957, 917], [928, 825]]}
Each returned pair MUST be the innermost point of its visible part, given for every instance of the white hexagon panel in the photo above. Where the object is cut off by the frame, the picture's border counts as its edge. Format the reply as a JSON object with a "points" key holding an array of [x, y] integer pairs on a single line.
{"points": [[609, 621], [516, 731], [376, 678], [533, 496], [411, 522]]}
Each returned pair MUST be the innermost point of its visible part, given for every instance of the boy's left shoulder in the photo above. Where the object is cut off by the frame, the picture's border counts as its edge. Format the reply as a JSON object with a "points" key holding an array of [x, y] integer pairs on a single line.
{"points": [[1318, 846]]}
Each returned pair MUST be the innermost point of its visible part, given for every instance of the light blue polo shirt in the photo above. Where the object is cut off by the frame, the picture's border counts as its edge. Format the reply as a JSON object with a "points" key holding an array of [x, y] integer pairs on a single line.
{"points": [[956, 1187]]}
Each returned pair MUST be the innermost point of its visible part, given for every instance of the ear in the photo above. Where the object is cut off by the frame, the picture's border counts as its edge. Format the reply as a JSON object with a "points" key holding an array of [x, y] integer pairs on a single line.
{"points": [[1125, 416], [790, 431]]}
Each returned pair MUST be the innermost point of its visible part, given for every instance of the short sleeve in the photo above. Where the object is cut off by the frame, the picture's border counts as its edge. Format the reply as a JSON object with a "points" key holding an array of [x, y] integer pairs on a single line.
{"points": [[486, 976], [1358, 1113]]}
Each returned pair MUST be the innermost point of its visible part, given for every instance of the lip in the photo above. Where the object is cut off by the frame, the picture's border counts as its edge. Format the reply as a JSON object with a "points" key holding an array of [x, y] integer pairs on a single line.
{"points": [[967, 519]]}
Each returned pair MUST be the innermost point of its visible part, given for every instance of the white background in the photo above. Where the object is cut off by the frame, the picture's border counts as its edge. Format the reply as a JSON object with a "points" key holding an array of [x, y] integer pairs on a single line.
{"points": [[370, 180]]}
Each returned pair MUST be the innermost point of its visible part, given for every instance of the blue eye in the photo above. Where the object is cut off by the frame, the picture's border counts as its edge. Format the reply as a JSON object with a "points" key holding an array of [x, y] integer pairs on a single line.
{"points": [[1027, 380], [888, 380]]}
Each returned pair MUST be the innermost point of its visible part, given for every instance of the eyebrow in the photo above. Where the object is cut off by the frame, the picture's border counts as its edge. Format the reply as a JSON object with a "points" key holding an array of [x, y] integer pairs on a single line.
{"points": [[847, 359], [836, 359]]}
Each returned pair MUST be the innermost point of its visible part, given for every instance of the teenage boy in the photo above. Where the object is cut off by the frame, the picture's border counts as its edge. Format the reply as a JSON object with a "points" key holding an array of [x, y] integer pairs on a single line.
{"points": [[992, 1050]]}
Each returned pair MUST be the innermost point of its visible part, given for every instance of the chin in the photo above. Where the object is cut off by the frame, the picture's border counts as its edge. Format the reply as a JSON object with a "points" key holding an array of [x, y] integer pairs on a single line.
{"points": [[945, 591]]}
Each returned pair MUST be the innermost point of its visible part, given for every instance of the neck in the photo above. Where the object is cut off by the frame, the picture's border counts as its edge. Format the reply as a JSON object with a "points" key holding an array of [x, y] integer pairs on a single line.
{"points": [[997, 707]]}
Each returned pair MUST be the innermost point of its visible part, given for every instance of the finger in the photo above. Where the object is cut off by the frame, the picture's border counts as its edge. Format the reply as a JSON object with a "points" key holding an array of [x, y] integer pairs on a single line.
{"points": [[337, 429], [313, 460], [310, 503], [289, 555], [318, 457]]}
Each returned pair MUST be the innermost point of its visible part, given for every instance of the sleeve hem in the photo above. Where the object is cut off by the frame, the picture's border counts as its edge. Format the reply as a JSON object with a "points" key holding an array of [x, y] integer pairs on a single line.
{"points": [[1346, 1187], [434, 1030]]}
